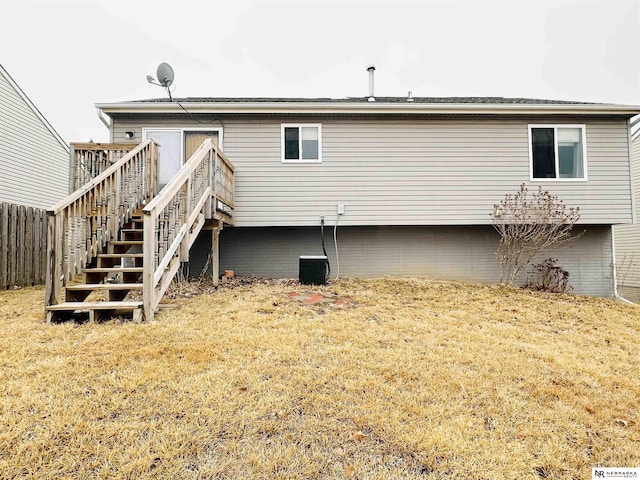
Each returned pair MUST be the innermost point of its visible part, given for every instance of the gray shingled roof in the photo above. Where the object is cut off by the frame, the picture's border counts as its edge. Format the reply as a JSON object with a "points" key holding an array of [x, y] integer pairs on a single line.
{"points": [[424, 100]]}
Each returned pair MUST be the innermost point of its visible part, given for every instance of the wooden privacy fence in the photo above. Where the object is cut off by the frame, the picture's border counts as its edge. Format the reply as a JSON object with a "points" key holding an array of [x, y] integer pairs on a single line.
{"points": [[23, 241]]}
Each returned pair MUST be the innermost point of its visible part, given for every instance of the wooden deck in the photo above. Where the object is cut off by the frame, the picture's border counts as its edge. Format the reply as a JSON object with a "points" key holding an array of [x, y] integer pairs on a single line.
{"points": [[122, 235]]}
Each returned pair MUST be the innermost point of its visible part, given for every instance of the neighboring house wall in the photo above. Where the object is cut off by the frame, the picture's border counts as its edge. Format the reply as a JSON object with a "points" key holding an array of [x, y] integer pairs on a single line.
{"points": [[457, 253], [34, 161], [627, 237], [407, 170]]}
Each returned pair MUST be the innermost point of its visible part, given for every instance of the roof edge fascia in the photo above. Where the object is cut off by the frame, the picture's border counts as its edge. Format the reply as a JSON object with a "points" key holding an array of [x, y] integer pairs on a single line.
{"points": [[368, 108]]}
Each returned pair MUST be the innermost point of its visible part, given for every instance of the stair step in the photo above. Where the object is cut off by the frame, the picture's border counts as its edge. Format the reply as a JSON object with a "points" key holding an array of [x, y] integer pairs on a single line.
{"points": [[105, 286], [96, 310], [114, 270], [83, 306], [111, 292], [127, 242], [121, 255], [135, 232]]}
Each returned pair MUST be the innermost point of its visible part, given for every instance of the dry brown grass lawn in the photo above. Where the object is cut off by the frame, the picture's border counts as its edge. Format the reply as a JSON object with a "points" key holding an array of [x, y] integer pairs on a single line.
{"points": [[419, 380]]}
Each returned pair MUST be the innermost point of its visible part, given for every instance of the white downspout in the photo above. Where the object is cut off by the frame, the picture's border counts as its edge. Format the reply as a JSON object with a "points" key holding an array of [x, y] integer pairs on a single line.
{"points": [[105, 122], [101, 117]]}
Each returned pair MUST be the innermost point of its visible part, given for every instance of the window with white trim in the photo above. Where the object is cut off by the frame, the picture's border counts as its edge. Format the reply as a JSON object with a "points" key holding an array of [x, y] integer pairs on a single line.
{"points": [[301, 143], [557, 152]]}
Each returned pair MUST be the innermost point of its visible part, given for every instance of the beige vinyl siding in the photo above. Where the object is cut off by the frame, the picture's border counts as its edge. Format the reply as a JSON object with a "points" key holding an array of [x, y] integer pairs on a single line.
{"points": [[455, 253], [627, 237], [407, 170], [33, 164]]}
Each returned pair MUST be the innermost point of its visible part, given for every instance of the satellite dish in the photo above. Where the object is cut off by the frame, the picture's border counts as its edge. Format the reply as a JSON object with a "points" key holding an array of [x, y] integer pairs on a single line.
{"points": [[165, 77], [165, 74]]}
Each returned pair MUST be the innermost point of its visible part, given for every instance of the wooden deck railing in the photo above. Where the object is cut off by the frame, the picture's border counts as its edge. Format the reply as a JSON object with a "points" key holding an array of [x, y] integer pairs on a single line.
{"points": [[80, 226], [88, 160], [224, 186], [173, 219]]}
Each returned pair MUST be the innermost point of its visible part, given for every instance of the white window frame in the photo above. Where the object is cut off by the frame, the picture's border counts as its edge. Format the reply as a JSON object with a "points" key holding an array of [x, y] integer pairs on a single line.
{"points": [[300, 160], [555, 127]]}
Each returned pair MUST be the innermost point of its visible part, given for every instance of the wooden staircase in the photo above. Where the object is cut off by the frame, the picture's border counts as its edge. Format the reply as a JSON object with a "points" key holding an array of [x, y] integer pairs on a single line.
{"points": [[125, 239], [108, 283]]}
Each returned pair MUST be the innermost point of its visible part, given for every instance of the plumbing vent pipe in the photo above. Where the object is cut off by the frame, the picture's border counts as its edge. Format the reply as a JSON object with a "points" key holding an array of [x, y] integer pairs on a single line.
{"points": [[371, 69], [409, 97]]}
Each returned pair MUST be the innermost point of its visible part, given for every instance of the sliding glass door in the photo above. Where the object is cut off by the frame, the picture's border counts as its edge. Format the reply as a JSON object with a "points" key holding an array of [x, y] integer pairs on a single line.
{"points": [[176, 146]]}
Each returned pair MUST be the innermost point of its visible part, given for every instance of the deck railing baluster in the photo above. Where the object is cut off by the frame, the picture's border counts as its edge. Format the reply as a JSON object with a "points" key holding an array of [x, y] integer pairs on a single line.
{"points": [[88, 160]]}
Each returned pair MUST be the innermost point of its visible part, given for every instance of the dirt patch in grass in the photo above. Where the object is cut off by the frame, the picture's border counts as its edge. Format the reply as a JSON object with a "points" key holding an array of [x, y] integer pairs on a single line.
{"points": [[418, 379]]}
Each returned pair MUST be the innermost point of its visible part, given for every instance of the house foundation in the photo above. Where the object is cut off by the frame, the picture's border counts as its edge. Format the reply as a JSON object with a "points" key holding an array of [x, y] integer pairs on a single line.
{"points": [[452, 253]]}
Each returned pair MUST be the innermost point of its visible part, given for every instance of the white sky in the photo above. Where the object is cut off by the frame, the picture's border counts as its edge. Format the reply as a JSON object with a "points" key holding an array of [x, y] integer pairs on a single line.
{"points": [[68, 55]]}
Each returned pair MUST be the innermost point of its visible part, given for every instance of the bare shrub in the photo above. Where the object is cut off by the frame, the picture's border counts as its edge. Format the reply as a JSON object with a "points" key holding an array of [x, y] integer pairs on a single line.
{"points": [[549, 277], [528, 224]]}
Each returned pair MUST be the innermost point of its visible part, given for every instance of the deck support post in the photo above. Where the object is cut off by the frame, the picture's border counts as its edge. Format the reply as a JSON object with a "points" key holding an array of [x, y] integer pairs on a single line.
{"points": [[215, 253], [149, 264], [72, 168]]}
